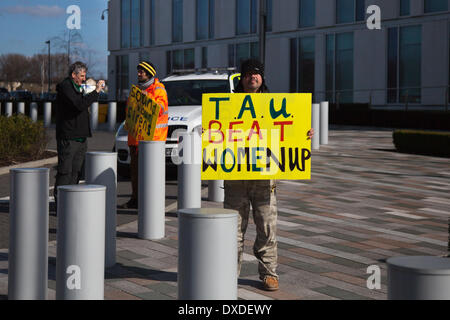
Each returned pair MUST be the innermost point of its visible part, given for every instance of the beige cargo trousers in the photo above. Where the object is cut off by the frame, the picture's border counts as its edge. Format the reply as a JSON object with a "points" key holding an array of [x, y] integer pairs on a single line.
{"points": [[261, 195]]}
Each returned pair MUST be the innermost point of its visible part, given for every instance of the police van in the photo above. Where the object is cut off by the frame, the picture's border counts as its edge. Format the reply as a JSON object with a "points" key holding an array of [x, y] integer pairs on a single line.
{"points": [[184, 91]]}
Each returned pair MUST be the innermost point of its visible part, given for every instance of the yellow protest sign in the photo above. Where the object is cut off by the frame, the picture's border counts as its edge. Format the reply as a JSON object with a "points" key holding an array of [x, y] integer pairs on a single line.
{"points": [[142, 114], [256, 136]]}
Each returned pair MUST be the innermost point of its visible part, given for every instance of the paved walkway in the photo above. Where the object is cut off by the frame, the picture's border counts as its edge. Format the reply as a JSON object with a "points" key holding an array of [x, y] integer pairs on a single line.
{"points": [[364, 204]]}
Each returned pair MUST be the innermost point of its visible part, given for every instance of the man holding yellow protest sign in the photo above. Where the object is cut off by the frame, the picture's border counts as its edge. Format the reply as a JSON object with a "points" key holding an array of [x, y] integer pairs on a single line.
{"points": [[146, 119], [251, 138]]}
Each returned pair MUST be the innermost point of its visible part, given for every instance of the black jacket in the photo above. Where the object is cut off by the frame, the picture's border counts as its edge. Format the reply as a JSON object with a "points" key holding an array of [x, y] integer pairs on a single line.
{"points": [[72, 115]]}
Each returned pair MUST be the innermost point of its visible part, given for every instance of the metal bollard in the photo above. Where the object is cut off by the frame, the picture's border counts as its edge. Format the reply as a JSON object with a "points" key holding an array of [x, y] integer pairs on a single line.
{"points": [[324, 107], [9, 109], [47, 114], [28, 234], [94, 116], [112, 111], [20, 107], [80, 255], [151, 190], [216, 191], [189, 171], [101, 169], [315, 143], [418, 278], [33, 111], [207, 254]]}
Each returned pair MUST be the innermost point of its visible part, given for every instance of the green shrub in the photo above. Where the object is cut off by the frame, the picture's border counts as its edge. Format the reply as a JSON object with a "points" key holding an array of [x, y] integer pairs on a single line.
{"points": [[434, 143], [21, 139]]}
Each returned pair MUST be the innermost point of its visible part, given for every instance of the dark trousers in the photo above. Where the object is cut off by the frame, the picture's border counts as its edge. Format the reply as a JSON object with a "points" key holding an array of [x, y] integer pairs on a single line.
{"points": [[71, 155]]}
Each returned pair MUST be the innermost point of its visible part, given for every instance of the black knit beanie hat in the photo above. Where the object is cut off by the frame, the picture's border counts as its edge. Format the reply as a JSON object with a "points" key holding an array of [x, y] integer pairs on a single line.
{"points": [[148, 67], [252, 66]]}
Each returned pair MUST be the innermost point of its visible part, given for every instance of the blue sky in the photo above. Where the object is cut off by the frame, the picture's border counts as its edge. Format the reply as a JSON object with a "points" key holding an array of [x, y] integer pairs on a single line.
{"points": [[25, 25]]}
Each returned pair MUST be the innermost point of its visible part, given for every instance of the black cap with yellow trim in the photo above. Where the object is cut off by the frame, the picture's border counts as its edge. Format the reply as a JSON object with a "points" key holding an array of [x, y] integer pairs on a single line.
{"points": [[147, 67]]}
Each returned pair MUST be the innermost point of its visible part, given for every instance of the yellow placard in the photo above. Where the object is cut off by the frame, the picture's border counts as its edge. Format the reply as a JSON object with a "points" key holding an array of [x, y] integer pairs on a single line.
{"points": [[256, 136], [142, 115]]}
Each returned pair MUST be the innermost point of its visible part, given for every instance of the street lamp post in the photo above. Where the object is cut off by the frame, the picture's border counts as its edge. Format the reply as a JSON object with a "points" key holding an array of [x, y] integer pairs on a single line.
{"points": [[103, 14], [49, 78], [68, 50]]}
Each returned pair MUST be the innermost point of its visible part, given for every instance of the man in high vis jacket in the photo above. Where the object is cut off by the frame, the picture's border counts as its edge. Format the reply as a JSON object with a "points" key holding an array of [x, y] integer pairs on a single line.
{"points": [[148, 82]]}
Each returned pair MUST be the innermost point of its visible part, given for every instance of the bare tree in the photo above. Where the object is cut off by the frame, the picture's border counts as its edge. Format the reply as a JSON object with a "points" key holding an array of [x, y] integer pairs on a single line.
{"points": [[14, 68], [71, 43]]}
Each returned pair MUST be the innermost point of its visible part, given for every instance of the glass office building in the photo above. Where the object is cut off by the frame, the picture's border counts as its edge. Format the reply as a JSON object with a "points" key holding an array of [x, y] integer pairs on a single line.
{"points": [[318, 46]]}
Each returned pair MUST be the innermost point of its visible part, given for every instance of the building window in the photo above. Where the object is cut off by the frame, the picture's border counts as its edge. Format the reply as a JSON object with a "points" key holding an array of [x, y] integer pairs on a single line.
{"points": [[435, 5], [177, 20], [404, 8], [329, 68], [404, 64], [189, 58], [302, 64], [132, 19], [204, 57], [241, 52], [339, 68], [180, 59], [392, 65], [269, 10], [307, 13], [152, 22], [125, 24], [137, 20], [348, 11], [205, 19], [122, 78], [246, 16]]}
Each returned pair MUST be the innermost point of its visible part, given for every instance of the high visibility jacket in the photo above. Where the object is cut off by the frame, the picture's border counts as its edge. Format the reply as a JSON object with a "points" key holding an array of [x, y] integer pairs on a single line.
{"points": [[157, 92]]}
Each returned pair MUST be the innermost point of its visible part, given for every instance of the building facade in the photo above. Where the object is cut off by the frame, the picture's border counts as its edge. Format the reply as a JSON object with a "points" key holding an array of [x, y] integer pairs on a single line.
{"points": [[319, 46]]}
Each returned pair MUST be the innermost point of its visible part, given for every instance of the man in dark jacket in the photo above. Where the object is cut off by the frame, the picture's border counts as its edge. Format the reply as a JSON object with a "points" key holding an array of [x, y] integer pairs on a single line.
{"points": [[72, 124]]}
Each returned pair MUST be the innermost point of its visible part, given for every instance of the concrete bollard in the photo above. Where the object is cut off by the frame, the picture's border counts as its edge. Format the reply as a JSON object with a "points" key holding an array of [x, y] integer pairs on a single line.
{"points": [[94, 116], [101, 169], [151, 190], [207, 254], [20, 107], [315, 115], [34, 111], [80, 255], [8, 109], [47, 114], [216, 191], [28, 234], [189, 171], [324, 107], [418, 278], [112, 114]]}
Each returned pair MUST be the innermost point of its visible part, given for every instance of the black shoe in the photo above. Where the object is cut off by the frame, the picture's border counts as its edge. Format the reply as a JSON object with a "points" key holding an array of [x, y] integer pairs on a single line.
{"points": [[131, 204]]}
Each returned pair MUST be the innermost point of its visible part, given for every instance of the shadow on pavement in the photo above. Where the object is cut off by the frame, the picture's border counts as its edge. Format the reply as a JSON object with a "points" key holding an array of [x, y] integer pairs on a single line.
{"points": [[251, 283], [132, 235], [385, 150], [122, 271], [4, 207], [172, 214]]}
